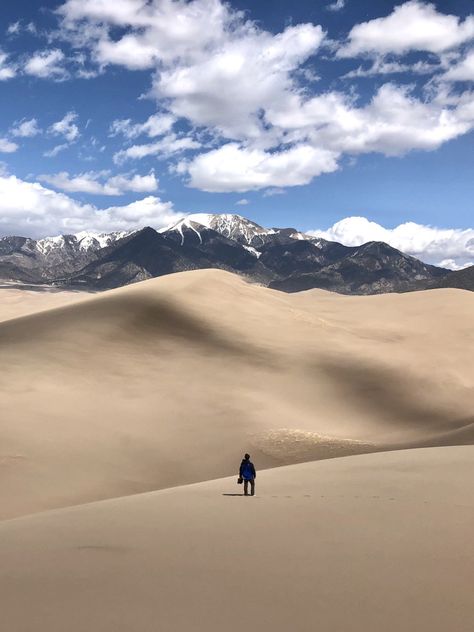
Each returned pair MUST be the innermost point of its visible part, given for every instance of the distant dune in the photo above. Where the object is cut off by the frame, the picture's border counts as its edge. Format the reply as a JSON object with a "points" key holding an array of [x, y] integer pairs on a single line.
{"points": [[168, 381], [379, 542], [18, 299]]}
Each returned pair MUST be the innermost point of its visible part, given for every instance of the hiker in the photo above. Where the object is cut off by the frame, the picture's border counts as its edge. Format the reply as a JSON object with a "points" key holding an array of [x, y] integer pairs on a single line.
{"points": [[248, 475]]}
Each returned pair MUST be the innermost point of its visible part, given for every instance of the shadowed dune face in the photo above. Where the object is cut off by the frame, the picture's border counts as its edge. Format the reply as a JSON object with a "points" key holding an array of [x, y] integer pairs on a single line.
{"points": [[395, 397], [166, 382]]}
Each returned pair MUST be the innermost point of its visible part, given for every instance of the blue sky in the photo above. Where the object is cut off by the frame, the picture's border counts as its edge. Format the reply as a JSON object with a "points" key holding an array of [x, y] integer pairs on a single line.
{"points": [[353, 119]]}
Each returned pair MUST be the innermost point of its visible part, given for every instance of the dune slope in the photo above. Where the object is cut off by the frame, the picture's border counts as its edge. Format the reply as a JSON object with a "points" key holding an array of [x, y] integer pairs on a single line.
{"points": [[166, 382], [370, 542]]}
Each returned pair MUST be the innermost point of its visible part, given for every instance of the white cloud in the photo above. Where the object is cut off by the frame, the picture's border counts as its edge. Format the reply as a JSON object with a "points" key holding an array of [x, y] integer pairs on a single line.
{"points": [[413, 25], [274, 191], [131, 51], [47, 64], [119, 13], [463, 71], [451, 264], [159, 30], [52, 153], [26, 128], [150, 211], [167, 146], [90, 182], [319, 129], [155, 125], [228, 88], [7, 146], [212, 66], [381, 67], [242, 202], [66, 127], [30, 209], [446, 247], [14, 28], [236, 168], [338, 5], [393, 123], [7, 71]]}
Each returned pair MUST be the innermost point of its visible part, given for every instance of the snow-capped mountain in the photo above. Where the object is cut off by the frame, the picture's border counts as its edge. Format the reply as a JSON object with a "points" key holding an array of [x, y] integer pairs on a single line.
{"points": [[232, 226], [44, 260], [283, 258], [83, 241]]}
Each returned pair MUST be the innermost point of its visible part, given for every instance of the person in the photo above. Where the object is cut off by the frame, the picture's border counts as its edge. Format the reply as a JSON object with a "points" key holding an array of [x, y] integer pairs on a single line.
{"points": [[248, 474]]}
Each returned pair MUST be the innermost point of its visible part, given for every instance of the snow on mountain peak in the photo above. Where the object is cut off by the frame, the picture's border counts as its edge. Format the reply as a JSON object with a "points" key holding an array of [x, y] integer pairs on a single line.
{"points": [[84, 240], [48, 244], [88, 240], [229, 225]]}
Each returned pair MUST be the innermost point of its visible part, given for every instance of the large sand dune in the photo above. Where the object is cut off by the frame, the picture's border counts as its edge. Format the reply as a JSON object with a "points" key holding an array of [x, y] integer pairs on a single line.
{"points": [[357, 544], [168, 381]]}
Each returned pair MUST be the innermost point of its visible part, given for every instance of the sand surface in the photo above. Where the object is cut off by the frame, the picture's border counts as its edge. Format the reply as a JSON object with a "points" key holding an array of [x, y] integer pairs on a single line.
{"points": [[356, 544], [169, 381], [21, 300]]}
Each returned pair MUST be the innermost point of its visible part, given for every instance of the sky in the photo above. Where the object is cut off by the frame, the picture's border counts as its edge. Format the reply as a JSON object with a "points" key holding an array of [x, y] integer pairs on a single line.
{"points": [[349, 119]]}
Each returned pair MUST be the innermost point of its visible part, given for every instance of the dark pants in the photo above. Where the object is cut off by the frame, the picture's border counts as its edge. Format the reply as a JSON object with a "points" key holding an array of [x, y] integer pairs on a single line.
{"points": [[252, 486]]}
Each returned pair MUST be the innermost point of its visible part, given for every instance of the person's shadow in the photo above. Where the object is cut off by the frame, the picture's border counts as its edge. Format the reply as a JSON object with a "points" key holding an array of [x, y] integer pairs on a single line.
{"points": [[232, 494]]}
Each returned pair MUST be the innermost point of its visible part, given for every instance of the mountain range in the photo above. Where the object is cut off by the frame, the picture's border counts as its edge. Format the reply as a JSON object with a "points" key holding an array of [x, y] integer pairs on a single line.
{"points": [[280, 258]]}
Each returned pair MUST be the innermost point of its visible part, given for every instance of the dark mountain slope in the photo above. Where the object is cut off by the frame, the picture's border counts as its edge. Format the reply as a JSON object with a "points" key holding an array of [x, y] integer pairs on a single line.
{"points": [[148, 254], [462, 279], [45, 260], [222, 251], [372, 268], [294, 257], [144, 255]]}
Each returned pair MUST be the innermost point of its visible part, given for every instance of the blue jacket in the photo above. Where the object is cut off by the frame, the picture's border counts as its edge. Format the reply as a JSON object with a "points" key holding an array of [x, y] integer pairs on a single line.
{"points": [[247, 470]]}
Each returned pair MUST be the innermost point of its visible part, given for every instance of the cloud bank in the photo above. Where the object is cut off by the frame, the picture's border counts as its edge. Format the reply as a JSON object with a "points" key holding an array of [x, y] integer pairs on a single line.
{"points": [[413, 25], [447, 247], [90, 182], [28, 208]]}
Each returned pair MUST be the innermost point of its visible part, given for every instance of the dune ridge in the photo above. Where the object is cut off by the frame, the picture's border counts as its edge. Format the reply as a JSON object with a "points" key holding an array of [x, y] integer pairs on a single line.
{"points": [[166, 382]]}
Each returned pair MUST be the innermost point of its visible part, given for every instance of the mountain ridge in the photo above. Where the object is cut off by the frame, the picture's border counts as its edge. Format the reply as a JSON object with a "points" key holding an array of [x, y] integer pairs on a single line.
{"points": [[284, 259]]}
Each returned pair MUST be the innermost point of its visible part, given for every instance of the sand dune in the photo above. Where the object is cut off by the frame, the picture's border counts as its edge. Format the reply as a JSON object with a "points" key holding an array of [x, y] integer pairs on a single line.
{"points": [[21, 300], [362, 543], [168, 381]]}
